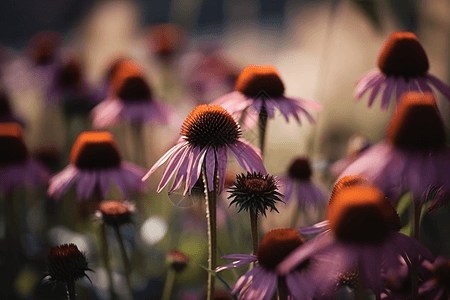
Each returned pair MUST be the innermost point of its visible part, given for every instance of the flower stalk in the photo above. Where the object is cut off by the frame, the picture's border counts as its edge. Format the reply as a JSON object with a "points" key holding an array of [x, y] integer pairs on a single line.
{"points": [[168, 285], [211, 218], [254, 229], [125, 260], [283, 293], [262, 125], [105, 256], [71, 289]]}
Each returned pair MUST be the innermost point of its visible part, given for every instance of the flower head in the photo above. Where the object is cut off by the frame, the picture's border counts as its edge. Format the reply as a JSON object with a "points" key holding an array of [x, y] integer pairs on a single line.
{"points": [[258, 88], [261, 281], [116, 212], [362, 236], [43, 47], [403, 66], [255, 193], [207, 134], [95, 161], [177, 260], [128, 83], [66, 262], [414, 156], [166, 39], [16, 167], [6, 112], [298, 182]]}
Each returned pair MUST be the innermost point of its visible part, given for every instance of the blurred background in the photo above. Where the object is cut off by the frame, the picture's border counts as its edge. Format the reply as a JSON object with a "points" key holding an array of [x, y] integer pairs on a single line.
{"points": [[320, 49]]}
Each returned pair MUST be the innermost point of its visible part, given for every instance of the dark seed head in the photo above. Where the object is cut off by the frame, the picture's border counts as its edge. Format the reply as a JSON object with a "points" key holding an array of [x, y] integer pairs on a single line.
{"points": [[255, 193], [71, 73], [177, 260], [166, 39], [210, 125], [417, 124], [403, 55], [95, 150], [43, 47], [349, 279], [361, 214], [300, 169], [116, 212], [128, 82], [66, 262], [260, 81], [276, 245], [13, 149]]}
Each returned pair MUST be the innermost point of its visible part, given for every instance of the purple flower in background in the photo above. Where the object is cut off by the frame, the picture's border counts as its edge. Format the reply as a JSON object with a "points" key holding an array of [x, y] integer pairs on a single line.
{"points": [[437, 285], [357, 145], [95, 161], [260, 88], [262, 280], [402, 66], [207, 134], [130, 98], [413, 157], [362, 237], [6, 113], [299, 186], [16, 167]]}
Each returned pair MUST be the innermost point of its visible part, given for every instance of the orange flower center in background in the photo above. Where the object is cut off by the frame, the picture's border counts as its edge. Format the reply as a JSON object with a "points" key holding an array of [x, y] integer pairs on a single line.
{"points": [[128, 82], [300, 169], [43, 47], [165, 39], [346, 182], [260, 81], [403, 55], [66, 262], [116, 212], [210, 125], [177, 260], [417, 124], [95, 150], [276, 245], [361, 214], [13, 149]]}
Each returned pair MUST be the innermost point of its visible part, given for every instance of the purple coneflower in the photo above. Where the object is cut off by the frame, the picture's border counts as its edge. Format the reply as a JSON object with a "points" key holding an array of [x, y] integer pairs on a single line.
{"points": [[437, 286], [165, 40], [130, 98], [413, 157], [16, 166], [402, 66], [262, 280], [67, 264], [207, 134], [95, 161], [357, 145], [362, 237]]}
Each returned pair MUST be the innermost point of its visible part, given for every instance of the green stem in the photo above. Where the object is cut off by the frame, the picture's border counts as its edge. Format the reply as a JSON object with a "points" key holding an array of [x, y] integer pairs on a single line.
{"points": [[254, 228], [169, 284], [262, 122], [417, 210], [71, 289], [283, 293], [105, 256], [125, 260], [139, 148], [211, 197]]}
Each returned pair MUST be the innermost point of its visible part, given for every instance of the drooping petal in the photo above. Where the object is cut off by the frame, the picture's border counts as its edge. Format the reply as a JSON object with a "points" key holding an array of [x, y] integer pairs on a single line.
{"points": [[86, 184], [210, 168], [376, 88], [248, 156], [401, 88], [222, 159], [163, 159], [299, 286], [442, 87], [174, 163], [390, 85], [365, 83], [61, 182], [241, 259]]}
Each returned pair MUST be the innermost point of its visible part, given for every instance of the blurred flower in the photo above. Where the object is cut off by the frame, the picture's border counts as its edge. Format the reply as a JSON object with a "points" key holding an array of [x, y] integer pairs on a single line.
{"points": [[260, 88], [16, 166], [437, 286], [357, 145], [261, 281], [130, 98], [413, 157], [115, 212], [207, 134], [66, 262], [111, 70], [299, 179], [165, 40], [403, 66], [255, 193], [94, 161], [177, 260], [362, 236]]}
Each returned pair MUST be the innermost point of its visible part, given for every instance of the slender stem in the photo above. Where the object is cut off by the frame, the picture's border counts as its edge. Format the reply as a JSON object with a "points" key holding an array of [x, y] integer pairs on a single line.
{"points": [[417, 210], [254, 228], [262, 122], [125, 260], [71, 289], [168, 285], [210, 197], [139, 145], [283, 293], [105, 256]]}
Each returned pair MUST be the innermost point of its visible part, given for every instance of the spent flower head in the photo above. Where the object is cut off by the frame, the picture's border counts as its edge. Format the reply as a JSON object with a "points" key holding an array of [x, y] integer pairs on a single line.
{"points": [[116, 212], [66, 262]]}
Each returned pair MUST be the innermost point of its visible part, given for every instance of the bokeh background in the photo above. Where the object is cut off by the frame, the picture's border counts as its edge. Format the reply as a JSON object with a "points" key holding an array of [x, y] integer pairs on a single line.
{"points": [[320, 48]]}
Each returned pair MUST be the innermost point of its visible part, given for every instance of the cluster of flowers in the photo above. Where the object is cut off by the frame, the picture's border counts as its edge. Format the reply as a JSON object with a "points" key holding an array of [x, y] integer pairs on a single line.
{"points": [[359, 244]]}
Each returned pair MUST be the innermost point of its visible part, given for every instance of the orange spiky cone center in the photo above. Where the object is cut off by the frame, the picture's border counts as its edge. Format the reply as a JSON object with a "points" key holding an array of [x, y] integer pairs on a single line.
{"points": [[260, 81], [95, 150], [403, 55]]}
